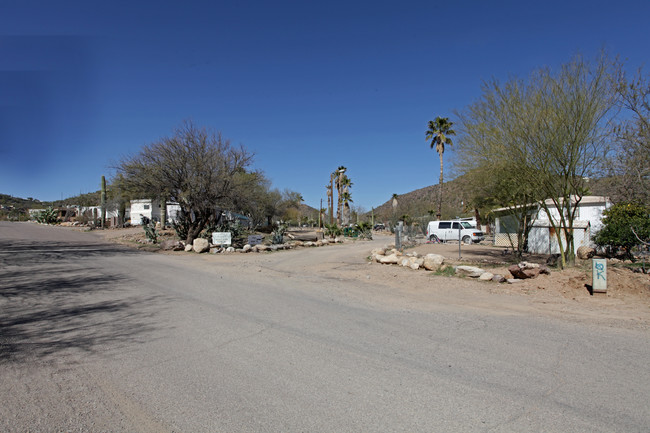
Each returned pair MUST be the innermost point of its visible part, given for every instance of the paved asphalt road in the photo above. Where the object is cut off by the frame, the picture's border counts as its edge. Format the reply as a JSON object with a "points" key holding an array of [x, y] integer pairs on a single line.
{"points": [[96, 337]]}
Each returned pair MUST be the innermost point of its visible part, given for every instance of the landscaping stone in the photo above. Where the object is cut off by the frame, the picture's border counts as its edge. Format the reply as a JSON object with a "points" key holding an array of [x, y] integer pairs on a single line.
{"points": [[188, 248], [486, 276], [469, 271], [389, 260], [200, 245], [585, 253], [172, 245], [432, 262], [499, 278], [514, 281]]}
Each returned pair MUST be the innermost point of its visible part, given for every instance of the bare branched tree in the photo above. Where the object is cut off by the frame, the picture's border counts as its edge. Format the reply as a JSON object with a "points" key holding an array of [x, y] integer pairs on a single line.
{"points": [[194, 167]]}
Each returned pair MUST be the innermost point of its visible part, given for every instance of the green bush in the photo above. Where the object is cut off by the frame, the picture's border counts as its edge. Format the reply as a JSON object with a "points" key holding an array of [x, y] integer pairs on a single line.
{"points": [[365, 230], [620, 223], [333, 230]]}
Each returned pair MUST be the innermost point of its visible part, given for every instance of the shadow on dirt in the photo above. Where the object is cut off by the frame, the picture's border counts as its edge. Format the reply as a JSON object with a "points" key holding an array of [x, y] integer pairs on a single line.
{"points": [[57, 298]]}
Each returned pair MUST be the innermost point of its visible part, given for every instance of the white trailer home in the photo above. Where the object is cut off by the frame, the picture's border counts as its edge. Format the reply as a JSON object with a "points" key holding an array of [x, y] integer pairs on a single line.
{"points": [[152, 210], [542, 238]]}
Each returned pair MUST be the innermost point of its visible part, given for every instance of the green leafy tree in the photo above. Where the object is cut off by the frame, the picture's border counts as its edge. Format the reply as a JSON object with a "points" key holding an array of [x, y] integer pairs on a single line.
{"points": [[549, 132], [439, 132], [625, 225]]}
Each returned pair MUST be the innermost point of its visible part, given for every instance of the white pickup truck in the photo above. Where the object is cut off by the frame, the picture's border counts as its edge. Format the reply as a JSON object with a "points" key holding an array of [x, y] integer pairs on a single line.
{"points": [[442, 231]]}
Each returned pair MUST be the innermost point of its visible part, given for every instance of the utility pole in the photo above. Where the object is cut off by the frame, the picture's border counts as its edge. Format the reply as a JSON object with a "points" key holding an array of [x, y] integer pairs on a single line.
{"points": [[103, 198]]}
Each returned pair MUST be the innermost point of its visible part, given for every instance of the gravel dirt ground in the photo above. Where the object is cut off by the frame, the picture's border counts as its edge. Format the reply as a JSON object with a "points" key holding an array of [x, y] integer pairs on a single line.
{"points": [[563, 293], [95, 336]]}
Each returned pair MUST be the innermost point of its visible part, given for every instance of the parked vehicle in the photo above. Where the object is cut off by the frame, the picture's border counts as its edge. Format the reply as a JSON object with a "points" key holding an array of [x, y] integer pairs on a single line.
{"points": [[443, 231]]}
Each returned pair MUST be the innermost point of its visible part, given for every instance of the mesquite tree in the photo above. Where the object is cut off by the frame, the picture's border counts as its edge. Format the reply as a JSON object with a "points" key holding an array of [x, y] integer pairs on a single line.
{"points": [[194, 167]]}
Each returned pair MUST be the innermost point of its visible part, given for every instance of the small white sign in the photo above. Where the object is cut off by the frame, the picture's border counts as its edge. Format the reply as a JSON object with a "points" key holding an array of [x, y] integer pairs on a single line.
{"points": [[599, 275], [221, 238]]}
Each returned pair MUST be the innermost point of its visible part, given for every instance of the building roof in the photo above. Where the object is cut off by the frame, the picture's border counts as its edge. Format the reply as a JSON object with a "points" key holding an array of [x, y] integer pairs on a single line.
{"points": [[586, 200]]}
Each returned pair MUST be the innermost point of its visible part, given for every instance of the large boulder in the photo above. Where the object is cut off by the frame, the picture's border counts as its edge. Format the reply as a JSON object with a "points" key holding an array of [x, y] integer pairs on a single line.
{"points": [[389, 260], [432, 262], [486, 276], [469, 271], [585, 253], [525, 270], [171, 245], [200, 245]]}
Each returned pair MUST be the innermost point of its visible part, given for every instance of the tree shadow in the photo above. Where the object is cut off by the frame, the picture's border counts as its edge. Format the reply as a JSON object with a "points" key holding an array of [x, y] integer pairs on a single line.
{"points": [[57, 298]]}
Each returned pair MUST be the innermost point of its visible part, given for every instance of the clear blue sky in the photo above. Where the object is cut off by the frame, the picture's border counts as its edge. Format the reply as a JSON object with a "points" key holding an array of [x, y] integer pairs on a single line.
{"points": [[307, 86]]}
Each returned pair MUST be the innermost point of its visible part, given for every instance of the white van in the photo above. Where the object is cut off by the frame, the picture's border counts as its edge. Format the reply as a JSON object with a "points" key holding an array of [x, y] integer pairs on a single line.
{"points": [[442, 231]]}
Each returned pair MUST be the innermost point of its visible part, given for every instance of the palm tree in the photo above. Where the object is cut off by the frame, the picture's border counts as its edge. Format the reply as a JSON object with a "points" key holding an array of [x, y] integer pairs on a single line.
{"points": [[346, 184], [340, 174], [394, 200], [330, 200], [347, 199], [439, 132]]}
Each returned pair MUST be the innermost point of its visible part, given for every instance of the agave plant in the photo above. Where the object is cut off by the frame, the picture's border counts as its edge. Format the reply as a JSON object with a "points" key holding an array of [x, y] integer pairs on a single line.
{"points": [[365, 230], [278, 234], [47, 216]]}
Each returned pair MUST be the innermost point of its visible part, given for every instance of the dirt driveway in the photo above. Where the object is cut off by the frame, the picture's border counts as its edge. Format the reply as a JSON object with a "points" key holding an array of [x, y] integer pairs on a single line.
{"points": [[562, 294]]}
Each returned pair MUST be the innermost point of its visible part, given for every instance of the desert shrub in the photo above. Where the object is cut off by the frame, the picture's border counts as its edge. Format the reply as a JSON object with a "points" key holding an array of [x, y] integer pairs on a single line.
{"points": [[333, 230], [149, 229], [278, 234], [620, 223], [365, 230]]}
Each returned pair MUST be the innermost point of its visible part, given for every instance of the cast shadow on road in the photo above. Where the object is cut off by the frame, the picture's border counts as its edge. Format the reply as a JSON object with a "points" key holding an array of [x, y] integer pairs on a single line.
{"points": [[60, 300]]}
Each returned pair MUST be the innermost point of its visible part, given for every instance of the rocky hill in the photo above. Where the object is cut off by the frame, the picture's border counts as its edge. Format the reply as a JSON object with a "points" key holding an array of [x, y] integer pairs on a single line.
{"points": [[422, 204]]}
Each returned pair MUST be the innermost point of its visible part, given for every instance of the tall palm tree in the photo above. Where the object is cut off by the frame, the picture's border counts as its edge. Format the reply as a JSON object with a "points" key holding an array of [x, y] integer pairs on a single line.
{"points": [[340, 174], [346, 184], [439, 132], [330, 200], [347, 199]]}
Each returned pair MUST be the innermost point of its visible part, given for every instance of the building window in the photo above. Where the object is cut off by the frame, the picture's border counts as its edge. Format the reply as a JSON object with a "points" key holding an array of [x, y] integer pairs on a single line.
{"points": [[146, 207]]}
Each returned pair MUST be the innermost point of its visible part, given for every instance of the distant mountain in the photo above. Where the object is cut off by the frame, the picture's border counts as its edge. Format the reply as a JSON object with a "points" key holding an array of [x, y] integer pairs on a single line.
{"points": [[8, 201], [422, 204]]}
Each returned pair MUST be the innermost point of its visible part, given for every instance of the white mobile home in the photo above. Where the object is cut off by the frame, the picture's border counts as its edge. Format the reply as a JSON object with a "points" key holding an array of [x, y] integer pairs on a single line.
{"points": [[542, 238], [152, 210]]}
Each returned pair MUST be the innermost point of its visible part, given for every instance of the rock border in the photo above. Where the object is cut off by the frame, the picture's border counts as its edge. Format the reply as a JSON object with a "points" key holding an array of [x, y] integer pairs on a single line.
{"points": [[389, 255]]}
